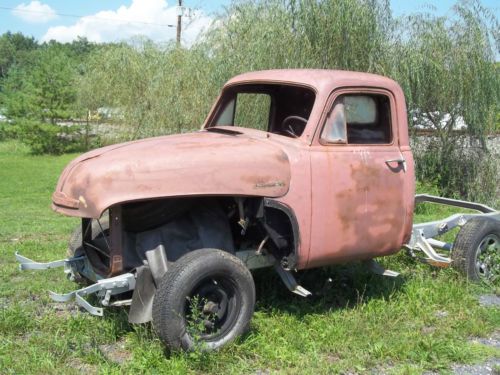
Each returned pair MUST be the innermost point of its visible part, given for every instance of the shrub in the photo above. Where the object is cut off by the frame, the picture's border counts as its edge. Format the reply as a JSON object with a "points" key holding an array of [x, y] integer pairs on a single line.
{"points": [[46, 138]]}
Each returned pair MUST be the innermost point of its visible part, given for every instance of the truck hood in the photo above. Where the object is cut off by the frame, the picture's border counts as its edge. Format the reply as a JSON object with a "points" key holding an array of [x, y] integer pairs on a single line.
{"points": [[201, 163]]}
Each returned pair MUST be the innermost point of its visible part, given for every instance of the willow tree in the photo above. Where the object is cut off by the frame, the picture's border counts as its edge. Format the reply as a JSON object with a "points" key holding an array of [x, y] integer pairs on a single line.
{"points": [[447, 68], [269, 34]]}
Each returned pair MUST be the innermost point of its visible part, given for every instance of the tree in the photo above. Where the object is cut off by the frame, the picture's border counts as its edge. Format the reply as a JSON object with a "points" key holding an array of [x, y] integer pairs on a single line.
{"points": [[43, 90], [447, 68], [14, 48]]}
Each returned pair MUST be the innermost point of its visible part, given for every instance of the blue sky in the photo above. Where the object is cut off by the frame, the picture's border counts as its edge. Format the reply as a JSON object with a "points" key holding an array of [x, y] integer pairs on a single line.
{"points": [[120, 19]]}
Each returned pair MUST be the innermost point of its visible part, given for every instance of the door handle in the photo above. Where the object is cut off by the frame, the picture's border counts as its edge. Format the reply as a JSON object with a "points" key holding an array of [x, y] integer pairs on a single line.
{"points": [[399, 161]]}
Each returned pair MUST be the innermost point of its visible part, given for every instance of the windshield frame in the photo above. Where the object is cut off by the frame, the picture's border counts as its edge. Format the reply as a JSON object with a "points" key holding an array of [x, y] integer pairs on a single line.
{"points": [[230, 91]]}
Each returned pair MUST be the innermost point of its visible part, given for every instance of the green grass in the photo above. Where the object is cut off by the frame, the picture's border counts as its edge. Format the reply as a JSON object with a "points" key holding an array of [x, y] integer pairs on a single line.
{"points": [[357, 323]]}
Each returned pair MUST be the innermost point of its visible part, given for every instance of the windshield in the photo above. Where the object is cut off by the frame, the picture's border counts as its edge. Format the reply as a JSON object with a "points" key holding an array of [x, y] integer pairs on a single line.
{"points": [[280, 109]]}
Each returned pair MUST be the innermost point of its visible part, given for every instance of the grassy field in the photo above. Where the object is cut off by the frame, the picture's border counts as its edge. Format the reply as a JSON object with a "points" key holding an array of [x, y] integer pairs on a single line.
{"points": [[358, 323]]}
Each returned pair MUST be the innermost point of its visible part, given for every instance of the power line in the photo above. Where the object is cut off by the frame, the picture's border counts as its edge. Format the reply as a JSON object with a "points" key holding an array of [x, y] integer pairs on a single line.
{"points": [[88, 17]]}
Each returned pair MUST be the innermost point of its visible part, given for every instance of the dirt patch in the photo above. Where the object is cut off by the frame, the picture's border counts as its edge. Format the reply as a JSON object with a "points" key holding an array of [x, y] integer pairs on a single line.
{"points": [[64, 309], [116, 352]]}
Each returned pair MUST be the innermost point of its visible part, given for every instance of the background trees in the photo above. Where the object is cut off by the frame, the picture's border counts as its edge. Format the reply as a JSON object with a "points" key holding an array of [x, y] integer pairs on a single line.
{"points": [[446, 66]]}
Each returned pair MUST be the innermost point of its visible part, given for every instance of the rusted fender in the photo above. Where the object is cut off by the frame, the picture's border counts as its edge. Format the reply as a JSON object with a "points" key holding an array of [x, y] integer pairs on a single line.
{"points": [[201, 163]]}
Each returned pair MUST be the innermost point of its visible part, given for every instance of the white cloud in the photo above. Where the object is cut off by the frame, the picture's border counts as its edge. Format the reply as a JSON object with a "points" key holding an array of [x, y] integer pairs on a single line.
{"points": [[34, 12], [143, 17]]}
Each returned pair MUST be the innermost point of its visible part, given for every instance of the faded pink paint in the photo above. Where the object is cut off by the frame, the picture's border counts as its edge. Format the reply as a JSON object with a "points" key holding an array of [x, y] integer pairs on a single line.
{"points": [[348, 202], [202, 163]]}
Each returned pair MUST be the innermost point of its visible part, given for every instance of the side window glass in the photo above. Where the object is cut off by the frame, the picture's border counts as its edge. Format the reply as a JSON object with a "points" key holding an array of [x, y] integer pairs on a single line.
{"points": [[226, 117], [335, 127], [363, 119]]}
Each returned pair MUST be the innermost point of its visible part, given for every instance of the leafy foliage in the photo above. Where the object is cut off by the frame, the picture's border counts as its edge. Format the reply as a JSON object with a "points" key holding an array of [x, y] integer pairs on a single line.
{"points": [[446, 66]]}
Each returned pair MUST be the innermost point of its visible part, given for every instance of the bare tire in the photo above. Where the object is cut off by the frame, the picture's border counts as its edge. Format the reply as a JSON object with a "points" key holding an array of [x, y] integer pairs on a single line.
{"points": [[476, 251], [204, 301], [75, 245]]}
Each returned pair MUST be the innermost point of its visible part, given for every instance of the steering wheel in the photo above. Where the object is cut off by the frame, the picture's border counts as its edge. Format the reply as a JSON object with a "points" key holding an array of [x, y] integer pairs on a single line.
{"points": [[286, 125]]}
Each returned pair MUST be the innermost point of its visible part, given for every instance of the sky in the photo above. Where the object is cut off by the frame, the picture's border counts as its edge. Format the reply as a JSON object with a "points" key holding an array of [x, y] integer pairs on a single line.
{"points": [[115, 20]]}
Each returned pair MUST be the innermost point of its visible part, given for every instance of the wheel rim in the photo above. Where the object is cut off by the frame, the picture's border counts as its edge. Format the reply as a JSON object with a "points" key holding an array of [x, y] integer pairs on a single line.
{"points": [[487, 258], [211, 310]]}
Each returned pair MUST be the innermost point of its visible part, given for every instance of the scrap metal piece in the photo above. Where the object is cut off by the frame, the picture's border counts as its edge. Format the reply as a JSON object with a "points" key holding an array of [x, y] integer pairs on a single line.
{"points": [[290, 281], [141, 308], [254, 260], [157, 262], [421, 243], [420, 198], [378, 269], [104, 288], [29, 264], [440, 244]]}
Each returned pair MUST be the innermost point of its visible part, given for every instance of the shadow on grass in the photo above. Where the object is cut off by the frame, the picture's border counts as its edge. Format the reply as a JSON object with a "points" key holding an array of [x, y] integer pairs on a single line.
{"points": [[332, 288]]}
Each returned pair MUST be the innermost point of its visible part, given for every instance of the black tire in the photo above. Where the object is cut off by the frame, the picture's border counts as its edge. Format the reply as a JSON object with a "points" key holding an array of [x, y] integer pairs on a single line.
{"points": [[75, 245], [204, 301], [477, 249]]}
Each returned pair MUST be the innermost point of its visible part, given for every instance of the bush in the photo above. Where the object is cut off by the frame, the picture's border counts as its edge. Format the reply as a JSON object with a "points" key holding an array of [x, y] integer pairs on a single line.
{"points": [[45, 138], [8, 131], [460, 172]]}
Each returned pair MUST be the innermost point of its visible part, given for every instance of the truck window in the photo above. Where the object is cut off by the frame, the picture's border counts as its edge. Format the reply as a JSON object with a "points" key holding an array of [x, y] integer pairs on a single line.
{"points": [[359, 119], [275, 108]]}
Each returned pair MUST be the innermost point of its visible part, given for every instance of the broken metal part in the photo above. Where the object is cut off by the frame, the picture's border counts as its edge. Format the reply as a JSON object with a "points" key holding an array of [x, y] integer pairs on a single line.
{"points": [[104, 288], [141, 309], [423, 233], [422, 244], [290, 281], [107, 296], [244, 225], [420, 198], [378, 269], [116, 239], [277, 238], [123, 302], [253, 260], [261, 245], [440, 244], [28, 264], [243, 221], [157, 262]]}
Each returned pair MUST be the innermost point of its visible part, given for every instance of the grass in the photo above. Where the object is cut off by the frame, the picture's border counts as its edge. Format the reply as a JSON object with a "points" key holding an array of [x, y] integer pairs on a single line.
{"points": [[358, 322]]}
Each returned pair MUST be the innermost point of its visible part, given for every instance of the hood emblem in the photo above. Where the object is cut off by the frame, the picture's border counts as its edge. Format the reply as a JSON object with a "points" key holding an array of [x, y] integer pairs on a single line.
{"points": [[269, 184]]}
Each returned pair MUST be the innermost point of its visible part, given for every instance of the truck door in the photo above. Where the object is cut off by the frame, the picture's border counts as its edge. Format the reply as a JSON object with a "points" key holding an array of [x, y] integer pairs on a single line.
{"points": [[358, 180]]}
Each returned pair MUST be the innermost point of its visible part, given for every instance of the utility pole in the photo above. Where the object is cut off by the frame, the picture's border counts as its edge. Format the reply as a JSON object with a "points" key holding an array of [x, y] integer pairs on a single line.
{"points": [[179, 23]]}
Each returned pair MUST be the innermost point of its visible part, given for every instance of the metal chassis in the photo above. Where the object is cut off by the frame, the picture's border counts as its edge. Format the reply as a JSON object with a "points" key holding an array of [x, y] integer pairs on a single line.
{"points": [[422, 238]]}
